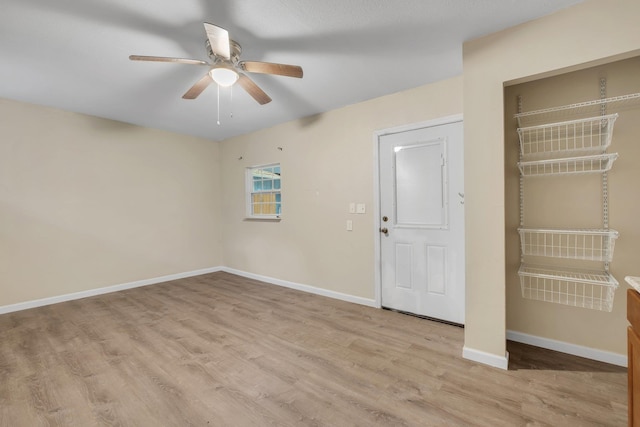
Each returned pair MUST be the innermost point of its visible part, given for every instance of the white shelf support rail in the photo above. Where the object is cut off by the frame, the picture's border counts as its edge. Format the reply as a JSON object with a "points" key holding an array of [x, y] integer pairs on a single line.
{"points": [[520, 157], [605, 178], [521, 180]]}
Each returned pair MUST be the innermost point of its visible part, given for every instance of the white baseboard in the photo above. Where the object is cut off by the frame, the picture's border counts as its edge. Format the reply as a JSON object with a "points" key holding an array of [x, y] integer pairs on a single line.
{"points": [[105, 290], [564, 347], [305, 288], [486, 358], [108, 289]]}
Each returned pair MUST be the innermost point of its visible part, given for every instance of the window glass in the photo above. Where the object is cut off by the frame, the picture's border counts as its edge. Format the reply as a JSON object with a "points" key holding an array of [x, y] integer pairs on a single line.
{"points": [[264, 199]]}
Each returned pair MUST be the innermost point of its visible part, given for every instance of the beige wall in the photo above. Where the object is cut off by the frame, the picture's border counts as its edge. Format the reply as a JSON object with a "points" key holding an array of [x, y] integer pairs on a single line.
{"points": [[327, 161], [587, 32], [88, 202]]}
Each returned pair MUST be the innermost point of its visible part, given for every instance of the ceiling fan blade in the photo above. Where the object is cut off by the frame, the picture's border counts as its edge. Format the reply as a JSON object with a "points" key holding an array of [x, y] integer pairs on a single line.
{"points": [[166, 59], [197, 88], [219, 40], [253, 90], [272, 68]]}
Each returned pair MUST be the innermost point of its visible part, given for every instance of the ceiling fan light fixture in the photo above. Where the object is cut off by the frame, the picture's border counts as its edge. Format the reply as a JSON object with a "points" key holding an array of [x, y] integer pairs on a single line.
{"points": [[224, 76]]}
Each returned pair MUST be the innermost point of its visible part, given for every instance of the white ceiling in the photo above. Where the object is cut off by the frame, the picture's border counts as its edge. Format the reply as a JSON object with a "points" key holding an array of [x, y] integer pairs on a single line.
{"points": [[73, 54]]}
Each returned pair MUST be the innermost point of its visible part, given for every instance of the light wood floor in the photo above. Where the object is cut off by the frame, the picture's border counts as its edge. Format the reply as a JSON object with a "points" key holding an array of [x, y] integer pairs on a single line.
{"points": [[219, 350]]}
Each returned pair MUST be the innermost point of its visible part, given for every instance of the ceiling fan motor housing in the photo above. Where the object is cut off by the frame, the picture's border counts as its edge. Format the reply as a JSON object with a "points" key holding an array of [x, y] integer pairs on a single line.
{"points": [[235, 49]]}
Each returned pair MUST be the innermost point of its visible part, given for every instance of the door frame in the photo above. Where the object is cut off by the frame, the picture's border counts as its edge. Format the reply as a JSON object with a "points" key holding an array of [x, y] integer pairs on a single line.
{"points": [[377, 135]]}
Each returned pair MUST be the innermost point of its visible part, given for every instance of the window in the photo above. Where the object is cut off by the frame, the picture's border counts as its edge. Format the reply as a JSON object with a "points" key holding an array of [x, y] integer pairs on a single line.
{"points": [[263, 192]]}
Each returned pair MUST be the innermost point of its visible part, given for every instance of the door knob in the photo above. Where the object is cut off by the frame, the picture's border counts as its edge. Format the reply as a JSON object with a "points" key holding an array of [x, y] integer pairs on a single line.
{"points": [[384, 230]]}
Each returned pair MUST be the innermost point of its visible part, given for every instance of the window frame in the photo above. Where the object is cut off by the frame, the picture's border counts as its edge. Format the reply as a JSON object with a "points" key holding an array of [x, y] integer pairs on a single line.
{"points": [[250, 192]]}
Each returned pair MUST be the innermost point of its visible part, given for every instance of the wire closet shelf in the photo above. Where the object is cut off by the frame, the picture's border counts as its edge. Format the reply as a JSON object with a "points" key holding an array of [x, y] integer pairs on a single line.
{"points": [[574, 137], [582, 244], [577, 110], [566, 140], [598, 163], [579, 288]]}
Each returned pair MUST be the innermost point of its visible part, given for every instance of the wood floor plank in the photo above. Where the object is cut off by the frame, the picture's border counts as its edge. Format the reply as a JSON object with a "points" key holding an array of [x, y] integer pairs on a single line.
{"points": [[221, 350]]}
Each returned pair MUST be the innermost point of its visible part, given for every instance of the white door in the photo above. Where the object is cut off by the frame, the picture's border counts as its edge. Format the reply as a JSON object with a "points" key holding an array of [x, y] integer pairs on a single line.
{"points": [[422, 221]]}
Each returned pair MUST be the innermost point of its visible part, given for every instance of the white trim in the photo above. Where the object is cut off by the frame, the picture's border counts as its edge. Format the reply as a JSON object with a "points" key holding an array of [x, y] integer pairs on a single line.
{"points": [[248, 186], [105, 290], [565, 347], [305, 288], [413, 126], [486, 358], [377, 272], [455, 118]]}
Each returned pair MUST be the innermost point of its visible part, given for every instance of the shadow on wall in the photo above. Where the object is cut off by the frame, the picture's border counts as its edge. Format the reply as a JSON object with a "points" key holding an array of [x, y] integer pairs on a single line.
{"points": [[310, 120], [528, 357]]}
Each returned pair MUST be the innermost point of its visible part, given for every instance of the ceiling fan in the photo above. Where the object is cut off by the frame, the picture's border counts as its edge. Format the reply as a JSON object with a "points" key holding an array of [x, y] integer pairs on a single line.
{"points": [[225, 67]]}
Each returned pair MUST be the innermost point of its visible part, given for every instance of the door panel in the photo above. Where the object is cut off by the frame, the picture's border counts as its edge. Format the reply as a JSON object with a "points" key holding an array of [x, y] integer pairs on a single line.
{"points": [[404, 260], [421, 189], [437, 269]]}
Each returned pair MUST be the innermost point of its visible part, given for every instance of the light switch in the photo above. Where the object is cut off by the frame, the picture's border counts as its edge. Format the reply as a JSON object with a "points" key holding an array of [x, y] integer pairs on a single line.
{"points": [[349, 225], [352, 207], [360, 208]]}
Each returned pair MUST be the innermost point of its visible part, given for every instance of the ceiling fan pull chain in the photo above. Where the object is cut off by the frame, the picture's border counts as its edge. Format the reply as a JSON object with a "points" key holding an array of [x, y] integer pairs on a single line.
{"points": [[231, 103], [218, 104]]}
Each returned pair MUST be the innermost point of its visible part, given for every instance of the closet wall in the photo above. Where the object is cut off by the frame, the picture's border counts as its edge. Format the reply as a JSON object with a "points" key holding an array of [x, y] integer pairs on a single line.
{"points": [[576, 202]]}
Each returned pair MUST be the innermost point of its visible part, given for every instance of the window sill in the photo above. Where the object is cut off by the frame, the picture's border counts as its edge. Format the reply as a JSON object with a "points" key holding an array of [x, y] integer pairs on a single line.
{"points": [[263, 218]]}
